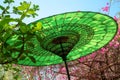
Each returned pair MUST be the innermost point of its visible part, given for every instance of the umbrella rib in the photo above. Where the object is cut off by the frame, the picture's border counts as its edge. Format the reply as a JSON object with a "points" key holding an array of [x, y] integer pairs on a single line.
{"points": [[39, 55], [63, 22], [56, 24], [54, 57], [25, 62], [79, 19], [48, 59], [46, 54], [64, 18], [69, 28], [39, 58], [43, 54], [50, 27], [73, 18], [55, 20]]}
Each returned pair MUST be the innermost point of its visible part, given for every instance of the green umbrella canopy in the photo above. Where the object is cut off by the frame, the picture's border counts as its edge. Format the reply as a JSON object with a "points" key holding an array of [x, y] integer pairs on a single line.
{"points": [[71, 35]]}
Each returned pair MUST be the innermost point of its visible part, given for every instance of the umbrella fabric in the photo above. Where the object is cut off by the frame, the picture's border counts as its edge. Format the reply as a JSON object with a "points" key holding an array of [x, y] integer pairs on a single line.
{"points": [[79, 34]]}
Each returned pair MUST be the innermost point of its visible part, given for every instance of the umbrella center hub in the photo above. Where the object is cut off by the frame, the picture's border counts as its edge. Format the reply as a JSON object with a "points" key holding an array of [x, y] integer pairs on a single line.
{"points": [[61, 44], [60, 40]]}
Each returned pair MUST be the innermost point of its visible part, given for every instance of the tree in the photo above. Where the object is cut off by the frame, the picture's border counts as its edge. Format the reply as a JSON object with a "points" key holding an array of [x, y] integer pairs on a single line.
{"points": [[14, 33]]}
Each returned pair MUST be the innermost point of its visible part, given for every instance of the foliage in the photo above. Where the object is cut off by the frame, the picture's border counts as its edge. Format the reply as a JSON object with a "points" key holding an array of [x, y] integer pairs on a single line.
{"points": [[10, 72], [15, 34]]}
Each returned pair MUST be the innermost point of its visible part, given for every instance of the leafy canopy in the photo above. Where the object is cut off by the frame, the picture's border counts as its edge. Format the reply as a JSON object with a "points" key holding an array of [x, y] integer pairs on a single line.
{"points": [[14, 33]]}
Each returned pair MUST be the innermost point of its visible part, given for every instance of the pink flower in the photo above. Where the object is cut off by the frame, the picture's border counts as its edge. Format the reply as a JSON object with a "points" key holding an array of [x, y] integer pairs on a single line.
{"points": [[103, 50], [39, 78], [93, 54], [111, 43], [115, 18], [61, 77], [106, 8], [81, 59], [118, 32], [116, 45], [63, 69]]}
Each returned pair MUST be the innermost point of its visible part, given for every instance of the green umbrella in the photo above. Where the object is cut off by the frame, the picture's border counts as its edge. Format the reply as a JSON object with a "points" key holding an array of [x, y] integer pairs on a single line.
{"points": [[69, 36]]}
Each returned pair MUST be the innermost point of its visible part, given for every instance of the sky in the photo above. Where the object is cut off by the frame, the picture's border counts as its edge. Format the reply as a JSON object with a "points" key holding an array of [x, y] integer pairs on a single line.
{"points": [[52, 7]]}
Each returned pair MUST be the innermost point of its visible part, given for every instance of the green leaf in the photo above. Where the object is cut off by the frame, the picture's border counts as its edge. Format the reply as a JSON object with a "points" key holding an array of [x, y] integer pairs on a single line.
{"points": [[7, 55], [8, 7], [23, 29], [24, 6], [32, 59], [36, 7], [7, 16], [27, 51], [15, 49], [28, 37], [31, 11], [6, 35], [9, 1], [38, 26], [34, 15], [7, 27], [20, 13], [28, 16], [6, 20], [16, 76], [21, 8], [22, 57], [16, 69], [12, 39], [1, 28], [1, 7], [30, 44], [15, 10], [18, 43]]}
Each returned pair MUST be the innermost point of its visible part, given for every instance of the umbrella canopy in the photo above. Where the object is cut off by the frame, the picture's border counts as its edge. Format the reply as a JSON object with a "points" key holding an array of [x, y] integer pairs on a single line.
{"points": [[70, 35]]}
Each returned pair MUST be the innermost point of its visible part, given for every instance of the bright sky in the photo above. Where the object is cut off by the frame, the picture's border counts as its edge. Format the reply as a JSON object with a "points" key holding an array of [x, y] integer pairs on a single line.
{"points": [[52, 7]]}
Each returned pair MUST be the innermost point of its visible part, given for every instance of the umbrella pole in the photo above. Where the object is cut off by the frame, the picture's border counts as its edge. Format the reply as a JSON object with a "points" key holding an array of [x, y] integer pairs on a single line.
{"points": [[64, 59], [66, 66]]}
